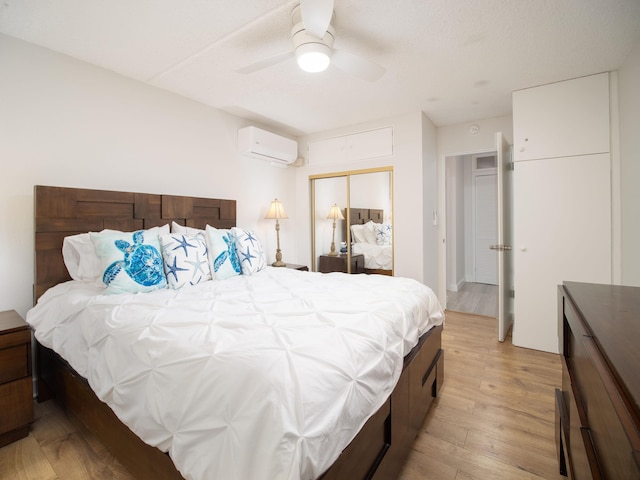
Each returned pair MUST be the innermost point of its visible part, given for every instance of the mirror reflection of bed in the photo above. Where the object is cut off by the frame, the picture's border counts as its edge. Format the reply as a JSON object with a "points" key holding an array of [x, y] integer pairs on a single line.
{"points": [[372, 236], [371, 191]]}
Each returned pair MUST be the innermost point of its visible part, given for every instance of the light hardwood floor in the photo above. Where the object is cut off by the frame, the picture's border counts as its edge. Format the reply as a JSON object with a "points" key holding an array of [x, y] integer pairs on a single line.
{"points": [[494, 419], [478, 298]]}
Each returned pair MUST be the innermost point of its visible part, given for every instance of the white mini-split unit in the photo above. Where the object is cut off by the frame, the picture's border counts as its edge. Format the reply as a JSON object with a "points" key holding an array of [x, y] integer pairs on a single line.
{"points": [[258, 143]]}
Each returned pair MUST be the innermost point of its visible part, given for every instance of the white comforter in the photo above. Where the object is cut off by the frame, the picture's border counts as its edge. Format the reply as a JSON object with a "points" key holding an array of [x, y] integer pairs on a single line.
{"points": [[266, 376], [376, 257]]}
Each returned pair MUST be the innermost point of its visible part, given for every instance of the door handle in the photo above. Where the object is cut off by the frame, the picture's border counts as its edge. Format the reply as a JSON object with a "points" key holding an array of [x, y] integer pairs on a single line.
{"points": [[500, 248]]}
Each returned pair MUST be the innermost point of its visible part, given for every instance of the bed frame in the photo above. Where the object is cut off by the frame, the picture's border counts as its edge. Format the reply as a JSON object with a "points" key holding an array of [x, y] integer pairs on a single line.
{"points": [[360, 216], [378, 451]]}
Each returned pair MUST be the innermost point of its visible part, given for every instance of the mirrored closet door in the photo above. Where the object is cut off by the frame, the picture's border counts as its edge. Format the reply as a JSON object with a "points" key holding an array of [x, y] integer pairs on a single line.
{"points": [[352, 221]]}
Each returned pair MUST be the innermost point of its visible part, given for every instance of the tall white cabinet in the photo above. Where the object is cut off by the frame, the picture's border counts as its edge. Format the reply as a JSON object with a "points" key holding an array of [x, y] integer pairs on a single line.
{"points": [[562, 199]]}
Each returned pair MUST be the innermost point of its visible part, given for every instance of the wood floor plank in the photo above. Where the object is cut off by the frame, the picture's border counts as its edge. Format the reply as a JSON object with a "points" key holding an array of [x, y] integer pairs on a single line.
{"points": [[25, 460]]}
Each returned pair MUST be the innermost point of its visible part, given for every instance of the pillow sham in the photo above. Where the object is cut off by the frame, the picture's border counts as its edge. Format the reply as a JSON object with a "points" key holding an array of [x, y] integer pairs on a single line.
{"points": [[131, 262], [357, 234], [80, 257], [249, 250], [185, 259], [383, 233], [369, 232], [223, 259], [177, 228]]}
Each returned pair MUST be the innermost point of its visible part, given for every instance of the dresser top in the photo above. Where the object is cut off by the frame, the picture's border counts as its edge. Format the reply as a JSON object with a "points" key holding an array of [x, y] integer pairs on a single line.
{"points": [[612, 314]]}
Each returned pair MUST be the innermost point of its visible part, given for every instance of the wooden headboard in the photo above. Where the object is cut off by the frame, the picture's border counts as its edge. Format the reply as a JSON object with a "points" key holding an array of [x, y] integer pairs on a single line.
{"points": [[60, 212], [360, 216]]}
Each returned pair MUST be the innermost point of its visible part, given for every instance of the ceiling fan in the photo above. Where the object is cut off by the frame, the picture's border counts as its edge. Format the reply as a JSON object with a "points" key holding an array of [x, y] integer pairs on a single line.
{"points": [[312, 35]]}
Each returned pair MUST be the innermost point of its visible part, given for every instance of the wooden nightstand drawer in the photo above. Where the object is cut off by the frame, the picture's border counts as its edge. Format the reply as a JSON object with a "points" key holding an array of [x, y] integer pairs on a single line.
{"points": [[16, 384], [16, 404], [14, 363]]}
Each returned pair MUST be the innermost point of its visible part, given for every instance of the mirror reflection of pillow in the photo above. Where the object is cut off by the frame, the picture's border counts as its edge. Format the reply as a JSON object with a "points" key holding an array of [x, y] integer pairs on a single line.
{"points": [[383, 233], [370, 234], [357, 234]]}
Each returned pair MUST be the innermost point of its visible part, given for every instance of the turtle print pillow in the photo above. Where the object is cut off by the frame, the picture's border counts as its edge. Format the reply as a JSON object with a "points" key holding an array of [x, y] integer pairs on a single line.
{"points": [[223, 258], [185, 259], [130, 261], [249, 250]]}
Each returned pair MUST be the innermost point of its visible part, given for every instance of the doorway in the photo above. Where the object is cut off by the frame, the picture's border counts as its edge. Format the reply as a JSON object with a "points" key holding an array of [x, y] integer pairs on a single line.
{"points": [[471, 220]]}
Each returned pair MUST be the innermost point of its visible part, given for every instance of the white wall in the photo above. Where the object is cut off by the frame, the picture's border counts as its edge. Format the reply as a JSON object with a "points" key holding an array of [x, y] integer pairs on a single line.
{"points": [[66, 123], [456, 140], [629, 111], [409, 150]]}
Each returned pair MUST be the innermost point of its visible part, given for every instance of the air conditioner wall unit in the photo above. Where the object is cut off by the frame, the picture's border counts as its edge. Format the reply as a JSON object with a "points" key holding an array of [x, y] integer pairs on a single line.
{"points": [[258, 143]]}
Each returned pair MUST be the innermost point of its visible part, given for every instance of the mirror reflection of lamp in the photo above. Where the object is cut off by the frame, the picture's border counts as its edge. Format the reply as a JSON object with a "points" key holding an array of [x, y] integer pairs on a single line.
{"points": [[276, 210], [334, 214]]}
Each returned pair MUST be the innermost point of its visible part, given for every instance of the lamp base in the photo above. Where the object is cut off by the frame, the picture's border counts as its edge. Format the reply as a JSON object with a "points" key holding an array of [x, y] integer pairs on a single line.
{"points": [[333, 253], [278, 263]]}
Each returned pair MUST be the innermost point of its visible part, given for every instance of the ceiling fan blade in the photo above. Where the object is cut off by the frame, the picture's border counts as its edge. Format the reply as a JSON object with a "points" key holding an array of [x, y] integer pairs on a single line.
{"points": [[356, 66], [267, 62], [316, 16]]}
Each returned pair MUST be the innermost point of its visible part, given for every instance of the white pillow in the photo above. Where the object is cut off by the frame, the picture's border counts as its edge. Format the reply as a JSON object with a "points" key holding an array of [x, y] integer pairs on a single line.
{"points": [[223, 259], [185, 259], [80, 257], [369, 232], [131, 262], [357, 234], [177, 228], [249, 249], [383, 233]]}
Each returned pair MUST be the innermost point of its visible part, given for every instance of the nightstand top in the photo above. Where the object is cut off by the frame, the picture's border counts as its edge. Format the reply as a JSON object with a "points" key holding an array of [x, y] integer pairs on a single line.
{"points": [[10, 321]]}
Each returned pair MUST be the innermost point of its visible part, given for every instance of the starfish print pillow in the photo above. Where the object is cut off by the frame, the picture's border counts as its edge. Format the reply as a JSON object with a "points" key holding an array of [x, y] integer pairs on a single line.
{"points": [[185, 259], [249, 250]]}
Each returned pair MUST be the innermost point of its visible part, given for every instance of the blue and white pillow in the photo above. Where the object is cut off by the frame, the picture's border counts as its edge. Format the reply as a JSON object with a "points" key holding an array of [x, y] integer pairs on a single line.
{"points": [[249, 250], [130, 262], [185, 259], [223, 259], [383, 233]]}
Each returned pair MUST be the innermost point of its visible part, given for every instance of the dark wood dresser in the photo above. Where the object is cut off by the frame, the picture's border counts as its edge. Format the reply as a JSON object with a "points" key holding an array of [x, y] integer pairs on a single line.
{"points": [[598, 408], [16, 386]]}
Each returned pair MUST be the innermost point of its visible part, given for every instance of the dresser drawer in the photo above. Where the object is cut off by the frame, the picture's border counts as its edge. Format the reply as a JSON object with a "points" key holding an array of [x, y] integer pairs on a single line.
{"points": [[14, 363]]}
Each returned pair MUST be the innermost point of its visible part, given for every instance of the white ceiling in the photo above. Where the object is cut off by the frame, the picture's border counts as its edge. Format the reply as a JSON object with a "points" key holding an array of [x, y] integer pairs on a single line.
{"points": [[456, 60]]}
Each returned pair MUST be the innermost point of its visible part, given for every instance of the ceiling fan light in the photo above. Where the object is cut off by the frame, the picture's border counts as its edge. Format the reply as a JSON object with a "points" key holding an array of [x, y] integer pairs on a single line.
{"points": [[313, 57]]}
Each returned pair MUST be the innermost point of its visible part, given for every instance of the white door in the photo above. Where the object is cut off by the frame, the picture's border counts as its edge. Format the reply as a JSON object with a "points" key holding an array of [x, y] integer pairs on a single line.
{"points": [[504, 244], [562, 232], [486, 229]]}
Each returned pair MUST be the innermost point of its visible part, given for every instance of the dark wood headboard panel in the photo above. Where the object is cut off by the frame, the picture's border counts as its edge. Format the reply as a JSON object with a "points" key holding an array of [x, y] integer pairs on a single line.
{"points": [[61, 211], [360, 216]]}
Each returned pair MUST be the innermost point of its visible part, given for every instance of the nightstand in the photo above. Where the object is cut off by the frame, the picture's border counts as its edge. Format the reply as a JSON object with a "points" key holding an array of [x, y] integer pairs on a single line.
{"points": [[302, 268], [16, 387], [338, 263]]}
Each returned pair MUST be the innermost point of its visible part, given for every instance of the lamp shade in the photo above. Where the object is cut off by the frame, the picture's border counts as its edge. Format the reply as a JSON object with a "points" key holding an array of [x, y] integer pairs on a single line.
{"points": [[276, 210], [335, 213]]}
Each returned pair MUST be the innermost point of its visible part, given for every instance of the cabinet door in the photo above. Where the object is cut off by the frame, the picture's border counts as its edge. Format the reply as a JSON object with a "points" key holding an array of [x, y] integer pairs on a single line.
{"points": [[562, 231], [331, 150], [562, 119], [371, 144]]}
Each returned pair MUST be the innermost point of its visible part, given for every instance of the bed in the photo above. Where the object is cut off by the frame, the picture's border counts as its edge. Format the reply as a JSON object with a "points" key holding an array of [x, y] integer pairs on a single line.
{"points": [[373, 446], [372, 237]]}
